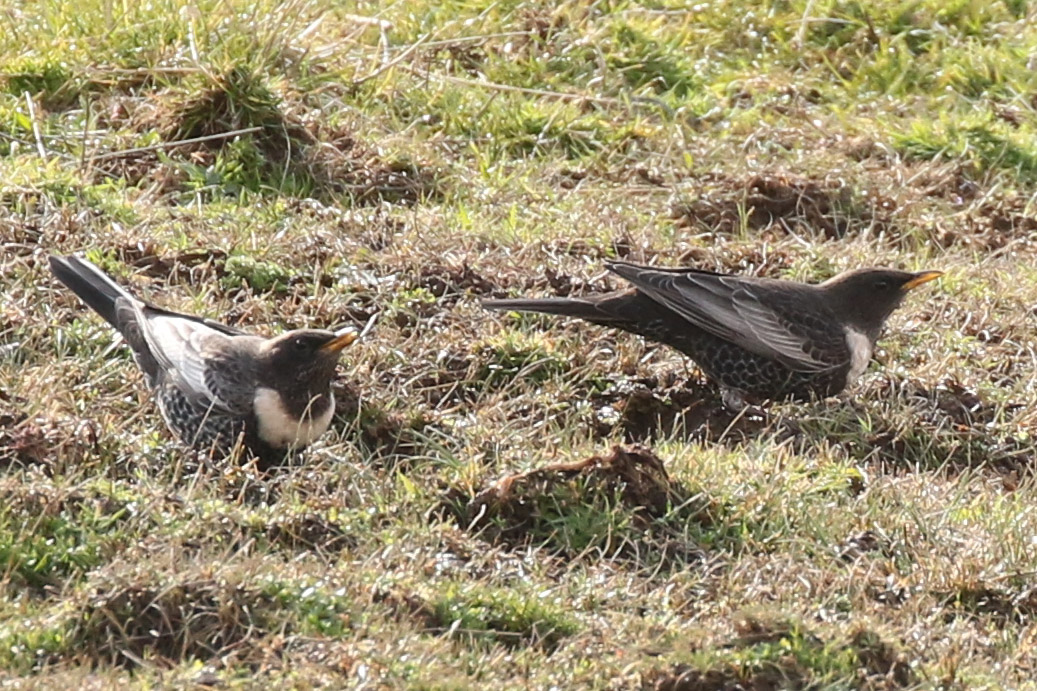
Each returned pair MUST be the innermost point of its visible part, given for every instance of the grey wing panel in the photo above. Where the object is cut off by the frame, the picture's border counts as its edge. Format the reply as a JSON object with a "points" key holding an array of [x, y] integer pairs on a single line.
{"points": [[743, 313], [197, 360]]}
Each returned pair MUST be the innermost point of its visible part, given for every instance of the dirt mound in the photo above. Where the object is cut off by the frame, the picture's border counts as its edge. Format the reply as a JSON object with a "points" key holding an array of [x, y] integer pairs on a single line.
{"points": [[829, 207], [616, 502], [122, 624], [880, 665]]}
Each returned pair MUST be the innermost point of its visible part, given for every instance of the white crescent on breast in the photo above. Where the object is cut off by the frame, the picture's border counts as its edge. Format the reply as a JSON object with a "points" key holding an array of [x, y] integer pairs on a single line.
{"points": [[281, 430], [860, 353]]}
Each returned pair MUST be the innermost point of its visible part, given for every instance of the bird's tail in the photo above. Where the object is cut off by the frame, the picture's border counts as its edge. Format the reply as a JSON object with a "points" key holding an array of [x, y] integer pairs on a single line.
{"points": [[92, 286], [568, 307]]}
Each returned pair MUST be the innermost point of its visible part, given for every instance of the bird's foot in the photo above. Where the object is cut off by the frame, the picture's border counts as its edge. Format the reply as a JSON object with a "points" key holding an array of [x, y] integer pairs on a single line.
{"points": [[735, 401]]}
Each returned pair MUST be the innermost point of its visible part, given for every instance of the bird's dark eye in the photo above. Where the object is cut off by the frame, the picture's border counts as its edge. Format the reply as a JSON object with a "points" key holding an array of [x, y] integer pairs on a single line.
{"points": [[299, 344], [882, 285]]}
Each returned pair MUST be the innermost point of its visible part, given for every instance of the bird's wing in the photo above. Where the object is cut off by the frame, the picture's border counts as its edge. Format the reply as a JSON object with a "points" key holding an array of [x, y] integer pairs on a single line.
{"points": [[197, 358], [747, 313]]}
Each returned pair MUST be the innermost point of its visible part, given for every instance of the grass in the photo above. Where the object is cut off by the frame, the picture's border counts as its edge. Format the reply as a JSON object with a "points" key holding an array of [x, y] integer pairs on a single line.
{"points": [[520, 500]]}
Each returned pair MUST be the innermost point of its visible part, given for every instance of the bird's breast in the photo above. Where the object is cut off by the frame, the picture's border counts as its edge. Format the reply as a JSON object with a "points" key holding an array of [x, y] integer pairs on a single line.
{"points": [[860, 353], [280, 428]]}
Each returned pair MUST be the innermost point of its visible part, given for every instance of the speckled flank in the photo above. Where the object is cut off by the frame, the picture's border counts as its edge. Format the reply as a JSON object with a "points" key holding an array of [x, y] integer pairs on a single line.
{"points": [[202, 428], [735, 368]]}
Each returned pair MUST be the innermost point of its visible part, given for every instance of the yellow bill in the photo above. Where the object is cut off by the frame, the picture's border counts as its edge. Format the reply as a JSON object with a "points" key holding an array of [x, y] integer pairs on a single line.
{"points": [[922, 277]]}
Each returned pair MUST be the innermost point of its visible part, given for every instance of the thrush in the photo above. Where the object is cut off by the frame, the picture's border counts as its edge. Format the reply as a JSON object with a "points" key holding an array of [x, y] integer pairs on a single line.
{"points": [[217, 386], [757, 337]]}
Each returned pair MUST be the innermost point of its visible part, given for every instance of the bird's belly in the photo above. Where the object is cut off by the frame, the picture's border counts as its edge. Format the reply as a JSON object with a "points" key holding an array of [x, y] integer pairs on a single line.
{"points": [[282, 430], [736, 368]]}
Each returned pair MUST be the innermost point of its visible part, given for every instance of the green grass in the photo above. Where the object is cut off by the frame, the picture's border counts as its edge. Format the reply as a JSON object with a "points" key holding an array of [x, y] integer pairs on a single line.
{"points": [[311, 164]]}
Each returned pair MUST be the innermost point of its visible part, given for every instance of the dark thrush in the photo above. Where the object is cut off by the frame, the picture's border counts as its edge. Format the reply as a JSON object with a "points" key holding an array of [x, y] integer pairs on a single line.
{"points": [[757, 337], [215, 385]]}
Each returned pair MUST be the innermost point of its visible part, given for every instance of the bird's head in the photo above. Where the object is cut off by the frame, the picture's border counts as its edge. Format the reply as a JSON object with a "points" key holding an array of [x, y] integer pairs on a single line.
{"points": [[307, 355], [868, 296]]}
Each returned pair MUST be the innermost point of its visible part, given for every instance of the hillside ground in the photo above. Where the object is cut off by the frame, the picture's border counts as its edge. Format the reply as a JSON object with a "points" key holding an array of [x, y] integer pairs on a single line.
{"points": [[516, 501]]}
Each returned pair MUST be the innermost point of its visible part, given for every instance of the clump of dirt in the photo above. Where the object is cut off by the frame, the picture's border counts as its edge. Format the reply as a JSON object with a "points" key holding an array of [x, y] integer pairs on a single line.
{"points": [[865, 542], [882, 666], [186, 265], [237, 99], [761, 677], [449, 380], [946, 426], [526, 507], [391, 435], [885, 665], [122, 624], [992, 225], [279, 139], [794, 204], [1004, 606], [650, 407], [453, 282], [344, 164], [42, 441], [409, 606], [308, 531], [742, 259]]}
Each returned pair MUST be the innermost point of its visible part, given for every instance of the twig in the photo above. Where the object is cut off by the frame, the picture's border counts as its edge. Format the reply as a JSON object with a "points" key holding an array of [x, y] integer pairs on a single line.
{"points": [[559, 95], [801, 32], [395, 61], [86, 129], [172, 145], [35, 126]]}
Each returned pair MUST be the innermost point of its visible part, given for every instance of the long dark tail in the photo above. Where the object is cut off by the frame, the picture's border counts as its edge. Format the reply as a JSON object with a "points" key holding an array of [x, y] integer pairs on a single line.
{"points": [[92, 286], [567, 307]]}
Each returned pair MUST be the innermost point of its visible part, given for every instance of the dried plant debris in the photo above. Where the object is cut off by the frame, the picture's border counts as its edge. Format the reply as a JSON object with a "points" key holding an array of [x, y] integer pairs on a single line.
{"points": [[794, 204]]}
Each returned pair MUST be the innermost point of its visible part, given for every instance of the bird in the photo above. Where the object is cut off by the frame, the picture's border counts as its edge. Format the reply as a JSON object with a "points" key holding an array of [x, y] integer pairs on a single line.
{"points": [[758, 338], [216, 386]]}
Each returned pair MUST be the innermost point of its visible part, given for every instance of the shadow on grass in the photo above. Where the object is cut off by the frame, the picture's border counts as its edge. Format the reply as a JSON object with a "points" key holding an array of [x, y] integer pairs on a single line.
{"points": [[903, 426]]}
